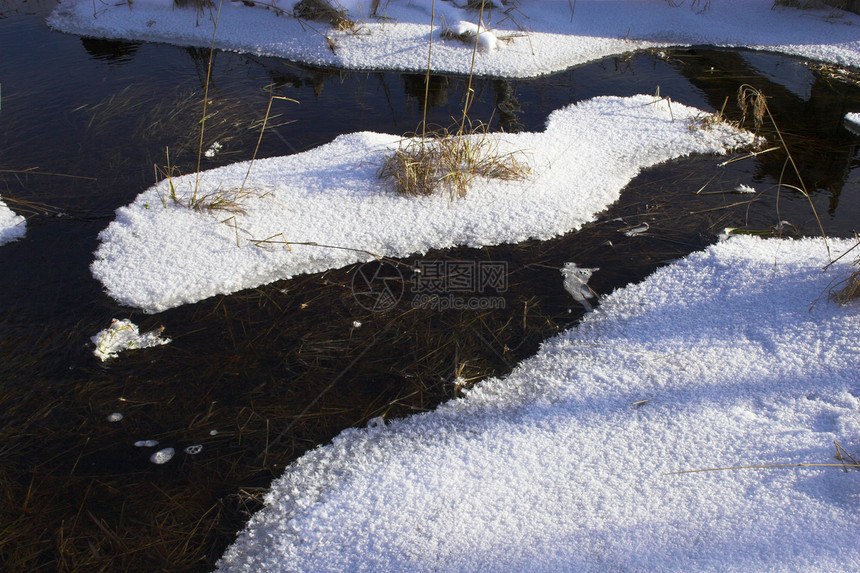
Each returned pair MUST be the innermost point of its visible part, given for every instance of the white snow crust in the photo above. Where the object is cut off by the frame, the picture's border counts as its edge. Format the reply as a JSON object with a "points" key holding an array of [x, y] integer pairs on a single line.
{"points": [[730, 357], [536, 37], [159, 254]]}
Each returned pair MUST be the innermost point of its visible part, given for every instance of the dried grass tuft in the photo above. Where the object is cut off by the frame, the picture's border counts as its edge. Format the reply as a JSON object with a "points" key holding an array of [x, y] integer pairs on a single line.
{"points": [[449, 163], [849, 289], [708, 121], [698, 6], [323, 11], [751, 100], [837, 7], [836, 73]]}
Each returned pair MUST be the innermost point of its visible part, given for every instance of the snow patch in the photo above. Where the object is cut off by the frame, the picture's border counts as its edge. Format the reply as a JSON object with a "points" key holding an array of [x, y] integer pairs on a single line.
{"points": [[325, 208], [541, 37], [568, 463]]}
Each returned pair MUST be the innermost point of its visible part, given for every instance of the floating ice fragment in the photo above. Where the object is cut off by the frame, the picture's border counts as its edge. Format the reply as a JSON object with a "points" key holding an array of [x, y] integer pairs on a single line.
{"points": [[213, 432], [636, 230], [213, 149], [12, 226], [115, 417], [146, 443], [576, 283], [745, 189], [852, 122], [162, 456], [194, 450], [122, 335]]}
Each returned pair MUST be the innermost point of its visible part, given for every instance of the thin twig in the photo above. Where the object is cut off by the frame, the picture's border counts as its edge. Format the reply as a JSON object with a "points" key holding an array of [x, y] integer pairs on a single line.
{"points": [[427, 74], [469, 90], [272, 96], [767, 466]]}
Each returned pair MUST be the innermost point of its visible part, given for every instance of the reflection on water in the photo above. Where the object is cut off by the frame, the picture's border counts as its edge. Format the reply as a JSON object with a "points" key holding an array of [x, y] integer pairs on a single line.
{"points": [[111, 51], [809, 108], [259, 377]]}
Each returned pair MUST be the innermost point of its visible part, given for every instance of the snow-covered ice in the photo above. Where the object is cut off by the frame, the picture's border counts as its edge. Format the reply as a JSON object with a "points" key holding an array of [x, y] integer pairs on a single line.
{"points": [[12, 226], [852, 121], [731, 357], [536, 37], [124, 335], [158, 254]]}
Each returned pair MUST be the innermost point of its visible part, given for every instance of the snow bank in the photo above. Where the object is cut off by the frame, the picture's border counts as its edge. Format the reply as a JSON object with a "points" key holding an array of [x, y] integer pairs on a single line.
{"points": [[538, 37], [12, 226], [562, 467], [158, 254]]}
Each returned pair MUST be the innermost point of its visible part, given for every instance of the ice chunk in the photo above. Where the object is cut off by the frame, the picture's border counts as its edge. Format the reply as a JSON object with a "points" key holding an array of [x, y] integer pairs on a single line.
{"points": [[162, 456], [122, 335], [576, 283], [146, 443], [638, 230]]}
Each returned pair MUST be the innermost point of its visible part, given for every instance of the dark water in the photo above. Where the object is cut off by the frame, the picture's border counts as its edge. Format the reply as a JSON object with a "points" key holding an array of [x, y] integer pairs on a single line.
{"points": [[279, 369]]}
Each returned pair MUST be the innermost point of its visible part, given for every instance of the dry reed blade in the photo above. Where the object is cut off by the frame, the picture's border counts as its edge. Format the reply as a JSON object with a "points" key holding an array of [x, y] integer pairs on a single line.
{"points": [[764, 466], [206, 101], [751, 98]]}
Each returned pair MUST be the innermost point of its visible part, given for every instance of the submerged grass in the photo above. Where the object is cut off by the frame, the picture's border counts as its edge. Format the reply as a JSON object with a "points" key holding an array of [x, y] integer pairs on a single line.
{"points": [[175, 121], [229, 200]]}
